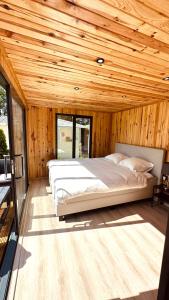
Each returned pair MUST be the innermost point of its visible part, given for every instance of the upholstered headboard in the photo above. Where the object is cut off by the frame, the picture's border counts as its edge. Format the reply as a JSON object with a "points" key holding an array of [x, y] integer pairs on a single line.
{"points": [[154, 155]]}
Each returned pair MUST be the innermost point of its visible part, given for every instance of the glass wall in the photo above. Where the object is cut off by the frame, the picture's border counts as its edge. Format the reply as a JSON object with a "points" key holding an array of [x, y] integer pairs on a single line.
{"points": [[64, 136], [13, 179], [19, 155], [6, 200], [82, 137]]}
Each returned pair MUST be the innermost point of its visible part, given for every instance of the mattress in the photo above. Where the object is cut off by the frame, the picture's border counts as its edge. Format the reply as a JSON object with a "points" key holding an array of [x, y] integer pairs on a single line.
{"points": [[74, 180]]}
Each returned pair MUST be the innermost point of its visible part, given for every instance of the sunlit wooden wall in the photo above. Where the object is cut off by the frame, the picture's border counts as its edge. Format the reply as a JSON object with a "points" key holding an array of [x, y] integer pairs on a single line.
{"points": [[144, 126], [41, 136]]}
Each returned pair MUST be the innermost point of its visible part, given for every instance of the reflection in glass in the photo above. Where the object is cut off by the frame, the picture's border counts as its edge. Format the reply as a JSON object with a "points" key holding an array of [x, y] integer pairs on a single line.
{"points": [[73, 136], [82, 137], [64, 136], [6, 200], [19, 155], [6, 217]]}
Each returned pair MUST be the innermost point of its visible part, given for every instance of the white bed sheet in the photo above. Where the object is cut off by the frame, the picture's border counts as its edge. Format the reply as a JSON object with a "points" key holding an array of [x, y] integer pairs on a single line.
{"points": [[72, 178]]}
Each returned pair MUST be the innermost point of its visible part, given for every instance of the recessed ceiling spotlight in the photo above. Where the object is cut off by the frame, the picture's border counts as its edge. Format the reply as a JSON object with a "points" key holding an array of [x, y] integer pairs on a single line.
{"points": [[100, 60], [76, 88], [166, 78]]}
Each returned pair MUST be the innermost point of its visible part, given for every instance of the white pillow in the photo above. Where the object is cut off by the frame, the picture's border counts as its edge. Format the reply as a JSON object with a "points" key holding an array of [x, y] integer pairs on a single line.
{"points": [[137, 164], [116, 157]]}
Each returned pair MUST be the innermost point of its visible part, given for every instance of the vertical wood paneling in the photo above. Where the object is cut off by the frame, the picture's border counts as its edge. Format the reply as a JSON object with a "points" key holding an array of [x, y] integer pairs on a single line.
{"points": [[143, 126], [41, 136]]}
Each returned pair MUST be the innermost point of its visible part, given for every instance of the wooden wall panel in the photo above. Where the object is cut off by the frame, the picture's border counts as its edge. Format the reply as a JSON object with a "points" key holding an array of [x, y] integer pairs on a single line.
{"points": [[143, 126], [41, 136]]}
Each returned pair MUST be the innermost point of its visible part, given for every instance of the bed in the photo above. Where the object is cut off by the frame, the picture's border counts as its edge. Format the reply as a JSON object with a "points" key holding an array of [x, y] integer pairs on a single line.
{"points": [[80, 185]]}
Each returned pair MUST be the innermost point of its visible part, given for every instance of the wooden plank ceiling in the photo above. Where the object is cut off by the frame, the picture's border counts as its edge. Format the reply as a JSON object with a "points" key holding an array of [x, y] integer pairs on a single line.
{"points": [[53, 46]]}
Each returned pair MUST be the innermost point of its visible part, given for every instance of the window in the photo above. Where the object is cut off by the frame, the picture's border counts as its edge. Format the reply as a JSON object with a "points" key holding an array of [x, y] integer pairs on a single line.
{"points": [[74, 136]]}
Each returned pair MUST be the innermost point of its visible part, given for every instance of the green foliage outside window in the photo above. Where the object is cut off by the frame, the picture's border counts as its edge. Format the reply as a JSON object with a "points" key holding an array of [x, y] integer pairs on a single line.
{"points": [[3, 103], [3, 144]]}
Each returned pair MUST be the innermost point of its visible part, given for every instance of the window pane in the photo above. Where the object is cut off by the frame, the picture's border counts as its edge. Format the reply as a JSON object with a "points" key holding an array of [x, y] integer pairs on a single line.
{"points": [[64, 136], [4, 121], [82, 137], [19, 152], [6, 200]]}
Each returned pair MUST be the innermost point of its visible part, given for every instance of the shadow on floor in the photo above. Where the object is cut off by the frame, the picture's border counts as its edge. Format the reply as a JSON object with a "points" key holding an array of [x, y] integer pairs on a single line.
{"points": [[107, 217], [146, 212], [149, 295], [81, 227], [22, 257]]}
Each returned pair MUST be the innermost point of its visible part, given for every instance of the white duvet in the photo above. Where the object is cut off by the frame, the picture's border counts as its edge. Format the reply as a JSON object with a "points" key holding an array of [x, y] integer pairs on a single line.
{"points": [[70, 178]]}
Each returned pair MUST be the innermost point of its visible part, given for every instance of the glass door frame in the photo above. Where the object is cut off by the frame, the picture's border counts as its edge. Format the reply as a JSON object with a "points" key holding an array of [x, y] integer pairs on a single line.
{"points": [[74, 116], [9, 94], [9, 254], [12, 151]]}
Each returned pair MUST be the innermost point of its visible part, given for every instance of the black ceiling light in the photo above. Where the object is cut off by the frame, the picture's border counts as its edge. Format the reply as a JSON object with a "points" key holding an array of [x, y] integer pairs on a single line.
{"points": [[100, 60], [166, 78], [76, 88]]}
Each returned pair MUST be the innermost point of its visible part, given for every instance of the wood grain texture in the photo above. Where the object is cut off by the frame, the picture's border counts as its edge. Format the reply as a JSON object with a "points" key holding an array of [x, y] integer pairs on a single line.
{"points": [[41, 136], [143, 126], [53, 47], [7, 70], [113, 253]]}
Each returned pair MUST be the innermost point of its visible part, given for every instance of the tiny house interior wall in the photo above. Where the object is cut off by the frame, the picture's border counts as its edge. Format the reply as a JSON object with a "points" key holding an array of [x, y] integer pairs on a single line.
{"points": [[142, 126], [132, 74], [41, 135]]}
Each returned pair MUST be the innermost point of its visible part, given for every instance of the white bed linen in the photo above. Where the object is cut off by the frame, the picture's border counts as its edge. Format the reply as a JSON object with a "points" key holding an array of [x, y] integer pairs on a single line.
{"points": [[71, 178]]}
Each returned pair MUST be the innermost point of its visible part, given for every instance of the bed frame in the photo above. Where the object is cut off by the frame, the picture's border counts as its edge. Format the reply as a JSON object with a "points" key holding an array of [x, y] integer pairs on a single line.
{"points": [[84, 203]]}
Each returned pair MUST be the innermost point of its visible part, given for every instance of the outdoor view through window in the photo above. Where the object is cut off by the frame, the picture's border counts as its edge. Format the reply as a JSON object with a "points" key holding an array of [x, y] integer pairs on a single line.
{"points": [[6, 205], [73, 136]]}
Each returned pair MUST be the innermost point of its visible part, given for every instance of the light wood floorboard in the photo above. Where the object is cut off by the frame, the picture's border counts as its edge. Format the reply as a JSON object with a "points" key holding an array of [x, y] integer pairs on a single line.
{"points": [[112, 253]]}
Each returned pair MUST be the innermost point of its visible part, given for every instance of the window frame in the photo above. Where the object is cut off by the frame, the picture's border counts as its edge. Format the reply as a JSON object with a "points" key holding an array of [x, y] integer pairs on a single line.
{"points": [[74, 117]]}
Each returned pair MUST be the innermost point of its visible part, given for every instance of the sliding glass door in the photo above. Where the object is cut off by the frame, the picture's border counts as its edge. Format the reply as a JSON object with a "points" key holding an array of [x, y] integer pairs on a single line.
{"points": [[7, 209], [13, 178], [64, 136], [19, 155], [74, 136], [83, 136]]}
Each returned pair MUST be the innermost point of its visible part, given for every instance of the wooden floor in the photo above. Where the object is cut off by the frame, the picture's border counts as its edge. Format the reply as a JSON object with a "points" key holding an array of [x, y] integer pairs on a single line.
{"points": [[112, 253]]}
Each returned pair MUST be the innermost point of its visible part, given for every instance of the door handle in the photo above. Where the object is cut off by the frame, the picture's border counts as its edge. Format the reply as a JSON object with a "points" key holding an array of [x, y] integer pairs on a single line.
{"points": [[22, 172]]}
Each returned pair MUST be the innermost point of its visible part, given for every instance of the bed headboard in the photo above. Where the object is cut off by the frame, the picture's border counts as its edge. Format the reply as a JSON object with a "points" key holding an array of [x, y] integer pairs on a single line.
{"points": [[154, 155]]}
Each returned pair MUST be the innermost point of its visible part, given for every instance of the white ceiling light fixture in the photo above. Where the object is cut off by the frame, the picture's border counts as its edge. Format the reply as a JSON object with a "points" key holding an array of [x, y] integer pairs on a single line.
{"points": [[166, 78], [100, 60]]}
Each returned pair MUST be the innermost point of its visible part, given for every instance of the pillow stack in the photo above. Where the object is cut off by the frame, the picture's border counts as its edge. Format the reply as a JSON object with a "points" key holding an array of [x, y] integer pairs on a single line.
{"points": [[133, 163]]}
